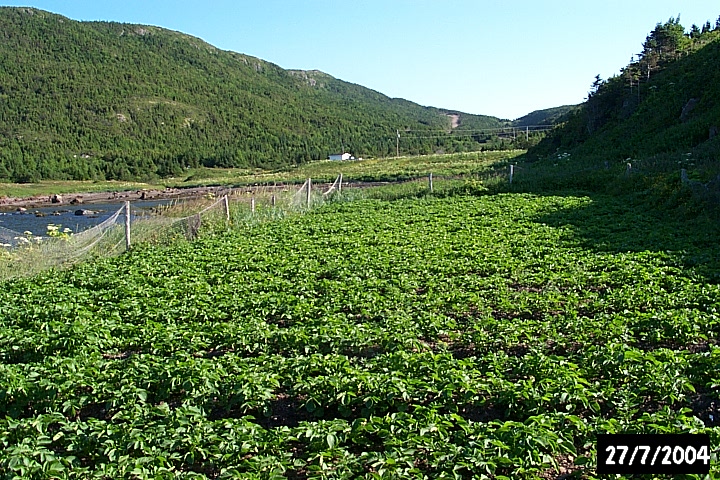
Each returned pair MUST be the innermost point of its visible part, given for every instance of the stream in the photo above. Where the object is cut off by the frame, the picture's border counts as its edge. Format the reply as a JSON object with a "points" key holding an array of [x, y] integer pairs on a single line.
{"points": [[36, 220]]}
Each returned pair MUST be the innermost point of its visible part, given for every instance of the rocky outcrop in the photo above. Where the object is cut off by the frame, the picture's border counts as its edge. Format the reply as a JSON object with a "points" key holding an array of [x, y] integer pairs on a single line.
{"points": [[84, 212]]}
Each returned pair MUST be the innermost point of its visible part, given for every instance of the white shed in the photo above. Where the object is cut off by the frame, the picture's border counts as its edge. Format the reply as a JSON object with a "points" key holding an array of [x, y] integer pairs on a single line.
{"points": [[341, 156]]}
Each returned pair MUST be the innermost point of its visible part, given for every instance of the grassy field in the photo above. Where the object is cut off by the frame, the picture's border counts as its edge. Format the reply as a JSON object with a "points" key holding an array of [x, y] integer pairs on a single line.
{"points": [[401, 336], [386, 169], [23, 190], [379, 169]]}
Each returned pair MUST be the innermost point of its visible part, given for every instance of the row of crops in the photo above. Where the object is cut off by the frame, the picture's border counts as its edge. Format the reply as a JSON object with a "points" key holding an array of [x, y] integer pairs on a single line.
{"points": [[458, 337]]}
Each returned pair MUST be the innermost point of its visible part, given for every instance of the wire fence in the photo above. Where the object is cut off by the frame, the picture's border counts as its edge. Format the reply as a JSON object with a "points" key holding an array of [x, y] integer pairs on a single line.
{"points": [[24, 254]]}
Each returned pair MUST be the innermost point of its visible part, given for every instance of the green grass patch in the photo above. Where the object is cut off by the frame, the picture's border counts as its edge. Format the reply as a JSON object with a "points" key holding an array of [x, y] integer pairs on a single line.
{"points": [[23, 190], [370, 170]]}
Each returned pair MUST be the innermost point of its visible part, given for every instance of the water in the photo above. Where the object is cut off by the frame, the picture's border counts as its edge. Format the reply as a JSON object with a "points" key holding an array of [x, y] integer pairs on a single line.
{"points": [[36, 220]]}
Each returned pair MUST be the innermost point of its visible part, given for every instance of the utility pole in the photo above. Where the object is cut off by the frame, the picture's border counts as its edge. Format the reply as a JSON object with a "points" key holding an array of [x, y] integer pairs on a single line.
{"points": [[127, 226], [397, 144]]}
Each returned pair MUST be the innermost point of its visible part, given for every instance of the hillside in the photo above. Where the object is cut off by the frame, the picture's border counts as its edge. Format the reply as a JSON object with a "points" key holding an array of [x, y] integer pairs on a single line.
{"points": [[548, 116], [662, 112], [99, 100]]}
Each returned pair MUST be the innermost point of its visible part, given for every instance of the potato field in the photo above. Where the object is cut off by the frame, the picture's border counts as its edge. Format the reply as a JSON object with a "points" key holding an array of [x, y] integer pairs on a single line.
{"points": [[422, 338]]}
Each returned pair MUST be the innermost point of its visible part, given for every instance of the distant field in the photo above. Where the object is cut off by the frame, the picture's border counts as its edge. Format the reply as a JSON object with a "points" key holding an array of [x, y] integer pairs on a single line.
{"points": [[421, 338], [386, 169], [380, 169], [21, 190]]}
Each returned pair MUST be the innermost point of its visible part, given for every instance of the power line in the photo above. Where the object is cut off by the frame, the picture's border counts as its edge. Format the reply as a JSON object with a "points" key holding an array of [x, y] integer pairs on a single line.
{"points": [[493, 129], [489, 131]]}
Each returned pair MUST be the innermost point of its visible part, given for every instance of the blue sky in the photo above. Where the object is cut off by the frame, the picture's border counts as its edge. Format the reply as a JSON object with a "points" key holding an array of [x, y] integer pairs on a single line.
{"points": [[492, 57]]}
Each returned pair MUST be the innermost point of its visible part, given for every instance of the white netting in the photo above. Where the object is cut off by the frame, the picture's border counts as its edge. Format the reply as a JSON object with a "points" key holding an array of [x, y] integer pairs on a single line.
{"points": [[335, 187], [310, 195], [23, 254], [170, 226], [303, 197], [11, 238]]}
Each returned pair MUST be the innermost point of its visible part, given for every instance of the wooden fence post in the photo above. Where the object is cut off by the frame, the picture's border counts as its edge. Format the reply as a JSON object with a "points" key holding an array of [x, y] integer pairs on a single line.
{"points": [[430, 182], [512, 171], [273, 200], [227, 208], [309, 186], [340, 184], [252, 204], [127, 226]]}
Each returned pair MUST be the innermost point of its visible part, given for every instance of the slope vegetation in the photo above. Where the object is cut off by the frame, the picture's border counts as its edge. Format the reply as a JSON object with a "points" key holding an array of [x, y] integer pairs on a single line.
{"points": [[98, 100], [548, 116], [661, 113]]}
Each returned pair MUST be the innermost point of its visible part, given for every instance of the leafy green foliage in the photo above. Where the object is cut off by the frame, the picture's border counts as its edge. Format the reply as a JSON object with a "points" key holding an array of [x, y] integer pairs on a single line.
{"points": [[454, 337]]}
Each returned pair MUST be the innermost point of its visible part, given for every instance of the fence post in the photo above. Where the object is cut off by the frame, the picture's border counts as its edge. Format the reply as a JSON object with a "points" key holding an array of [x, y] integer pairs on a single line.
{"points": [[127, 226], [430, 182], [227, 208], [512, 171], [273, 200], [309, 186], [340, 184], [252, 204]]}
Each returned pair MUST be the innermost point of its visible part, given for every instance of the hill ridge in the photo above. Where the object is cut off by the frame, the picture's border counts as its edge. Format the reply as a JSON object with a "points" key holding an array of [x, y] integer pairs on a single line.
{"points": [[110, 100], [121, 101], [660, 113]]}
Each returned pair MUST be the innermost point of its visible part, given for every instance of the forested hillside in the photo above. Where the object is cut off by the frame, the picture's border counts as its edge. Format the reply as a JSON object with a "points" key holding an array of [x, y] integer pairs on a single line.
{"points": [[662, 111], [98, 100], [548, 116]]}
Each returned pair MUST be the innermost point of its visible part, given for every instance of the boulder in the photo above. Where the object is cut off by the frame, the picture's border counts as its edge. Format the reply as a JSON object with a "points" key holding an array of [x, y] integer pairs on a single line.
{"points": [[56, 199], [84, 212]]}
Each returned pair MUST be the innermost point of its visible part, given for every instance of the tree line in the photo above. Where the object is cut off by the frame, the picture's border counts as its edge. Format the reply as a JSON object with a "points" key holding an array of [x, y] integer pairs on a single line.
{"points": [[640, 111]]}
